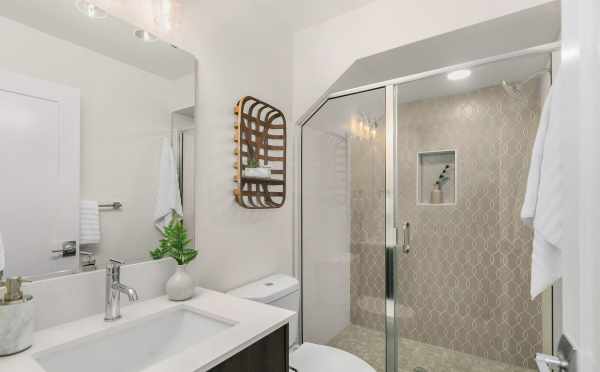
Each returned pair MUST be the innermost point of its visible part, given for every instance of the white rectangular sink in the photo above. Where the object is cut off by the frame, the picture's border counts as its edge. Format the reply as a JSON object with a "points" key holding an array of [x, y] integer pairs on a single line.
{"points": [[134, 346]]}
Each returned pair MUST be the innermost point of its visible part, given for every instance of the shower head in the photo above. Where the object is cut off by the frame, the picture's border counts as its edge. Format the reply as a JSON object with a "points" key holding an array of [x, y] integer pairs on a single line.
{"points": [[515, 89], [512, 89]]}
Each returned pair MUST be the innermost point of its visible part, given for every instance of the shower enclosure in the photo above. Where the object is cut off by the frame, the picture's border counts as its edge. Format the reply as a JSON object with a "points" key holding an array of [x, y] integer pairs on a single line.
{"points": [[413, 254]]}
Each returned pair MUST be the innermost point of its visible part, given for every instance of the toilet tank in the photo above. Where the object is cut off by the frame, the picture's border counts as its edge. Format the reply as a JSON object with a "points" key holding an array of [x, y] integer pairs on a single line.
{"points": [[277, 290]]}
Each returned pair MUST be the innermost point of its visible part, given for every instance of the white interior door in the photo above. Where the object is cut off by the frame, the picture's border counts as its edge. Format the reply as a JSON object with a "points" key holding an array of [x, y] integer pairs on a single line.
{"points": [[39, 174]]}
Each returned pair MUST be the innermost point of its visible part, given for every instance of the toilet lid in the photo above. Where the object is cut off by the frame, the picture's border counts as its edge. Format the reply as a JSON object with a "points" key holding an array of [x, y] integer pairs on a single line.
{"points": [[319, 358]]}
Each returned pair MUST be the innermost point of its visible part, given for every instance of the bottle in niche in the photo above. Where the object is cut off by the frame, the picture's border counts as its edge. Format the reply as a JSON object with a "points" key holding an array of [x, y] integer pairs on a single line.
{"points": [[437, 195]]}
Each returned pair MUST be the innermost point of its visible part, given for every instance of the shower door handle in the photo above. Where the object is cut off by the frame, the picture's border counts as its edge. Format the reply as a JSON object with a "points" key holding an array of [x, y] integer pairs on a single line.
{"points": [[546, 363], [564, 361], [406, 238]]}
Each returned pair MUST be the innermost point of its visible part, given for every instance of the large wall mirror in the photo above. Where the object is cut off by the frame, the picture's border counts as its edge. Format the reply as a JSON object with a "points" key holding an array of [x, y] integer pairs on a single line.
{"points": [[97, 133]]}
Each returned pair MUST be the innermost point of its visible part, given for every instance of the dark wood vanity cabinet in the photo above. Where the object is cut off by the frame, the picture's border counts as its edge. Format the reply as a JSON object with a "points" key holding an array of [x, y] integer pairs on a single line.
{"points": [[269, 354]]}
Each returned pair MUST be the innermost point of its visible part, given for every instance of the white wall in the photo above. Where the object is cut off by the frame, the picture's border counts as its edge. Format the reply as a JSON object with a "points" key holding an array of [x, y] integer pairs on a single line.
{"points": [[125, 114], [323, 52], [184, 92], [237, 56]]}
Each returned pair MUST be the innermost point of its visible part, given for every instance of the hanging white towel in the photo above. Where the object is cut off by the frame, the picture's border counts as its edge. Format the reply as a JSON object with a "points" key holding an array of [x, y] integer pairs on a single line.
{"points": [[2, 256], [89, 223], [542, 205], [168, 199]]}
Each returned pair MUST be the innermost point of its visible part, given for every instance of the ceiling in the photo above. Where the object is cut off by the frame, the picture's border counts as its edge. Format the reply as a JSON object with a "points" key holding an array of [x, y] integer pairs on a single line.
{"points": [[525, 29], [517, 31], [305, 13], [114, 38], [110, 36], [334, 117], [514, 70]]}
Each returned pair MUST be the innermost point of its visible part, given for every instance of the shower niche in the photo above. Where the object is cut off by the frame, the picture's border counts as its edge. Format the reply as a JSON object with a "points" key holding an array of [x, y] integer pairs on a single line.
{"points": [[436, 178]]}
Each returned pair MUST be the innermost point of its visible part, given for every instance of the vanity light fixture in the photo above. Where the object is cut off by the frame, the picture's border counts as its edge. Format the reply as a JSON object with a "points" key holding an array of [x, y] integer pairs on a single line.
{"points": [[459, 75], [364, 127], [167, 14], [145, 36], [90, 9]]}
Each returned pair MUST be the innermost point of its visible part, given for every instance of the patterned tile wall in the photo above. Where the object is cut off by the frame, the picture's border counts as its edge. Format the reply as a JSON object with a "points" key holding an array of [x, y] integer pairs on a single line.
{"points": [[367, 226], [465, 286]]}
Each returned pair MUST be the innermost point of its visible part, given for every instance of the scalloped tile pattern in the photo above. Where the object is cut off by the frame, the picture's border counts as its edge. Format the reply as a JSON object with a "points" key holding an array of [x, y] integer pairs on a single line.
{"points": [[465, 285]]}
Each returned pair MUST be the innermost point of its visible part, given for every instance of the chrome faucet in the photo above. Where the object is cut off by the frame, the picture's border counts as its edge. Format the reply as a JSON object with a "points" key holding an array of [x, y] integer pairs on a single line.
{"points": [[114, 288]]}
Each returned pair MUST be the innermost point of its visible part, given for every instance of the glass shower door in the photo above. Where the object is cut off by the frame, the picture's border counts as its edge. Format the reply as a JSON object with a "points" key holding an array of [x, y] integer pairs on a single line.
{"points": [[344, 226], [462, 289]]}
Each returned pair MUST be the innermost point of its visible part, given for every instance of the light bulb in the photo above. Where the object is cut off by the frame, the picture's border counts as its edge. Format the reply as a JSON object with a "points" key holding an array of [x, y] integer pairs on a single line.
{"points": [[353, 128], [90, 9], [459, 74], [167, 14]]}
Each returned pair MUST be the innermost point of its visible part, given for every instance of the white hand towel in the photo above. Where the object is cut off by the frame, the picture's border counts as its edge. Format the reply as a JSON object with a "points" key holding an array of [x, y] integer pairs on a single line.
{"points": [[542, 204], [89, 223], [168, 199], [2, 256]]}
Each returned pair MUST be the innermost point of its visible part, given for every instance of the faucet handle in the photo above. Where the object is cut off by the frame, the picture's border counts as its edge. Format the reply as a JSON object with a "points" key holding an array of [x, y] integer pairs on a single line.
{"points": [[114, 264]]}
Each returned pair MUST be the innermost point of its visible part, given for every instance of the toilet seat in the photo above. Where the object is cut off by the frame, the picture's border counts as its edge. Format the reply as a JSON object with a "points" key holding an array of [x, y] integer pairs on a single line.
{"points": [[319, 358]]}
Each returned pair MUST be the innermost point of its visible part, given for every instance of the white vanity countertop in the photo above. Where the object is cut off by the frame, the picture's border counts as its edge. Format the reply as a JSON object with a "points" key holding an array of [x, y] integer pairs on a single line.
{"points": [[253, 322]]}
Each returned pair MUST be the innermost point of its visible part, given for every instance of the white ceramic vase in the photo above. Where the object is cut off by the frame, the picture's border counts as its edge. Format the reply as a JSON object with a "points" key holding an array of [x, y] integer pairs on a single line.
{"points": [[16, 327], [180, 286]]}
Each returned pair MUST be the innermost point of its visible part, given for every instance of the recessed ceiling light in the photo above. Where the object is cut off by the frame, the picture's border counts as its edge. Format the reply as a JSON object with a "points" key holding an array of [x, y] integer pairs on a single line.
{"points": [[90, 9], [145, 36], [459, 74]]}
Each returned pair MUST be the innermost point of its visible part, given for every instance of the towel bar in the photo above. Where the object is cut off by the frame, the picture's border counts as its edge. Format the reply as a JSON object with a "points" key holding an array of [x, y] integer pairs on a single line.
{"points": [[113, 205]]}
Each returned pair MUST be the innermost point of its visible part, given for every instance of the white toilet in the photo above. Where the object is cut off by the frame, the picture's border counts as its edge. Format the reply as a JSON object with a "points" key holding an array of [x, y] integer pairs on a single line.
{"points": [[284, 291]]}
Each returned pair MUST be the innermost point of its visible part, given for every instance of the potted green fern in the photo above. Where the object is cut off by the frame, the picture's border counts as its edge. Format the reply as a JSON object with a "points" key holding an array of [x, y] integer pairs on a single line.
{"points": [[176, 244]]}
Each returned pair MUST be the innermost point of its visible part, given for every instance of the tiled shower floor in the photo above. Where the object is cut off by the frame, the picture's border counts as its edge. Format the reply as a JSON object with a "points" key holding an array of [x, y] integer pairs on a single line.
{"points": [[370, 346]]}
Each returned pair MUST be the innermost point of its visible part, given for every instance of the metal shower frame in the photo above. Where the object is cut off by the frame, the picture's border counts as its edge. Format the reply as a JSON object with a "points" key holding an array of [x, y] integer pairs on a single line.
{"points": [[391, 220]]}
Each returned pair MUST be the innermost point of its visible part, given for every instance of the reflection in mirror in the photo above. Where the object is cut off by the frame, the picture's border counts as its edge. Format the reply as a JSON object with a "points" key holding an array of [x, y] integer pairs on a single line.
{"points": [[86, 106]]}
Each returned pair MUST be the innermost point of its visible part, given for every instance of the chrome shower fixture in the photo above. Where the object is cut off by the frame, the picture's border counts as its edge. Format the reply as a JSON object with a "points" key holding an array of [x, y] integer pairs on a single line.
{"points": [[515, 89]]}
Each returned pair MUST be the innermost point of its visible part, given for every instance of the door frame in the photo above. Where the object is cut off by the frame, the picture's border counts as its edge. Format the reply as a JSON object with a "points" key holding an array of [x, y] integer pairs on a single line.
{"points": [[391, 230]]}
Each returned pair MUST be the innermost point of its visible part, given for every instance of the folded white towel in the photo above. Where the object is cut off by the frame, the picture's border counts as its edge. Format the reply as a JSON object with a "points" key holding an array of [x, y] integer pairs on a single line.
{"points": [[168, 199], [89, 223], [542, 204]]}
